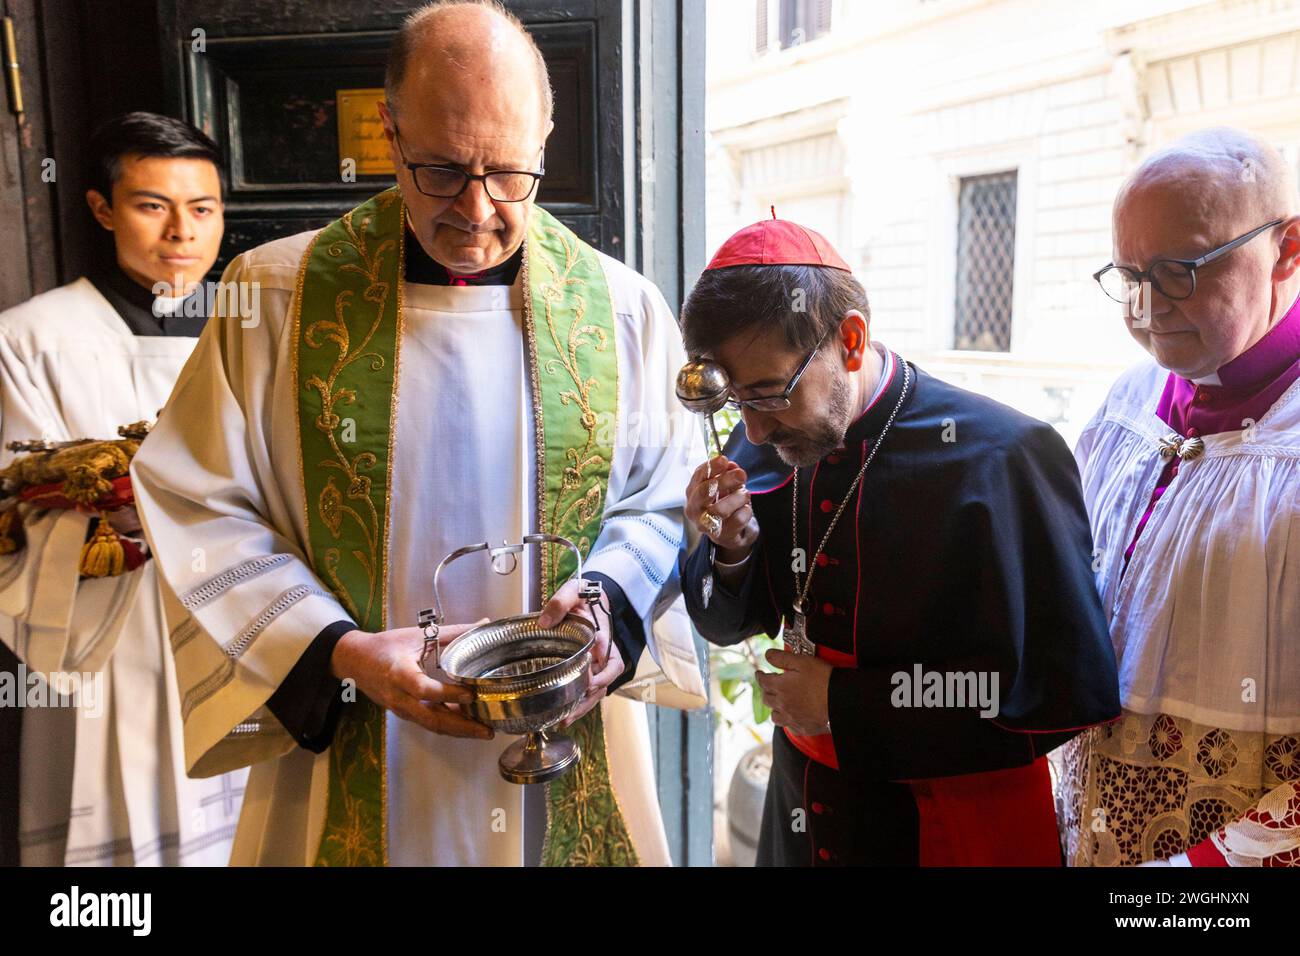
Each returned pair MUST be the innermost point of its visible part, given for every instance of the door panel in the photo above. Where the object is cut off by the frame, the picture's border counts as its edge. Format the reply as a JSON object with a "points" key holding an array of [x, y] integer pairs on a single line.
{"points": [[265, 82]]}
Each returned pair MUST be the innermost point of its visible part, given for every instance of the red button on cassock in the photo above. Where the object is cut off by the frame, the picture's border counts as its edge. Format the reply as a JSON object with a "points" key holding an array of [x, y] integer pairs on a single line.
{"points": [[817, 808], [828, 506], [828, 609], [832, 459], [822, 560], [825, 854]]}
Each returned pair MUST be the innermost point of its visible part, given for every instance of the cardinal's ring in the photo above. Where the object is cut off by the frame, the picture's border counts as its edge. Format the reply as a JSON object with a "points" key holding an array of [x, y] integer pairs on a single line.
{"points": [[712, 523]]}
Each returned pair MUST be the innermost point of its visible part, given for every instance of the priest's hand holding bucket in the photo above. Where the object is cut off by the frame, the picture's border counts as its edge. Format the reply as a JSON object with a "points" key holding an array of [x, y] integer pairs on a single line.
{"points": [[386, 669], [606, 664]]}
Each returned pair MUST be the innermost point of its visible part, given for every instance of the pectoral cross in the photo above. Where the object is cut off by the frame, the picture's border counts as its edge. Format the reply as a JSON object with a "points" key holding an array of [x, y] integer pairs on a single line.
{"points": [[796, 634]]}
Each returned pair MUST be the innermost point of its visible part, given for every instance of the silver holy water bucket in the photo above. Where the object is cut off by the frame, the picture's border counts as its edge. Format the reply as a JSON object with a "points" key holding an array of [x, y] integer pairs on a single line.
{"points": [[526, 679]]}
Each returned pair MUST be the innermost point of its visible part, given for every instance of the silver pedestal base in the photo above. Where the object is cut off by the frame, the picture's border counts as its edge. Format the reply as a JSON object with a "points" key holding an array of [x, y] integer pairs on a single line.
{"points": [[537, 758]]}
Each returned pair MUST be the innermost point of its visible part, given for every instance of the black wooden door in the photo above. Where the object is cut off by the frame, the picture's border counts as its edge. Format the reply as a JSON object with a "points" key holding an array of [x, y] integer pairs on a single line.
{"points": [[268, 80]]}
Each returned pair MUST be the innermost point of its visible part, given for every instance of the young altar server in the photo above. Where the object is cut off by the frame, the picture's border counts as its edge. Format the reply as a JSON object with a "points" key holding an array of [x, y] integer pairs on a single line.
{"points": [[447, 364], [104, 783], [1191, 473], [928, 553]]}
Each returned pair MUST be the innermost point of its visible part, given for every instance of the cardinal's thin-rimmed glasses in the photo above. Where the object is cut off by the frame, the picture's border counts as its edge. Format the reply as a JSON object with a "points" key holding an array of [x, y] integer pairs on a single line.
{"points": [[777, 403]]}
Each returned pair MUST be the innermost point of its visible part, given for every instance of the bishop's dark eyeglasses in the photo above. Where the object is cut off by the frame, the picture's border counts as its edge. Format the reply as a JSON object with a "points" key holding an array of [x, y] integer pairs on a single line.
{"points": [[777, 403], [1172, 278], [440, 181]]}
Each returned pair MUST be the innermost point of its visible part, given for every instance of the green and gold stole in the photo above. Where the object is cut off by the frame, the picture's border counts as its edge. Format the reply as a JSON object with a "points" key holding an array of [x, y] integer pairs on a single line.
{"points": [[347, 330]]}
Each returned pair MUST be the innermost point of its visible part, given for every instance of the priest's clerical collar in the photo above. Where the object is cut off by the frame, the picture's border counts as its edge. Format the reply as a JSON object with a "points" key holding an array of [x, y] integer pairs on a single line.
{"points": [[422, 269], [142, 311], [1266, 360]]}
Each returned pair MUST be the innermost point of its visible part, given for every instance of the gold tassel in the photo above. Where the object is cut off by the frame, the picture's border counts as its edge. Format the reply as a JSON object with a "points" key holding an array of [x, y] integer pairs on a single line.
{"points": [[102, 556], [86, 484]]}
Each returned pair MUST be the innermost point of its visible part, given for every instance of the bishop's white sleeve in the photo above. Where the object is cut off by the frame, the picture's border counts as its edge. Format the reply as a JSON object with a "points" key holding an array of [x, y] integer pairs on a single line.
{"points": [[658, 445], [1088, 438], [247, 603]]}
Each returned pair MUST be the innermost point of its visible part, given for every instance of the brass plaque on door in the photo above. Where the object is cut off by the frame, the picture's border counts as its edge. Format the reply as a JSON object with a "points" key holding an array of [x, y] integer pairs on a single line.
{"points": [[361, 132]]}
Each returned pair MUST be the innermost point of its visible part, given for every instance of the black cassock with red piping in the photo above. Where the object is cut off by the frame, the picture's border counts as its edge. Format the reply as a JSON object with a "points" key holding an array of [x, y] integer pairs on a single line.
{"points": [[956, 599]]}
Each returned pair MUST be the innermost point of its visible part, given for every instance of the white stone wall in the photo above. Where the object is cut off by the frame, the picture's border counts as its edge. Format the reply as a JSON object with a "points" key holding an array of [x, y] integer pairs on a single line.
{"points": [[885, 115]]}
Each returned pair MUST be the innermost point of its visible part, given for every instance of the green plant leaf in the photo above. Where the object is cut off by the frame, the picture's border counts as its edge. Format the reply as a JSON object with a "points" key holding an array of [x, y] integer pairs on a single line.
{"points": [[734, 670], [762, 712], [731, 689]]}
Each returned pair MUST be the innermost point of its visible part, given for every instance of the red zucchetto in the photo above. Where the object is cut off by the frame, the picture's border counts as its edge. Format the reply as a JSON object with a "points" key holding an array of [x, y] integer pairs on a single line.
{"points": [[777, 242]]}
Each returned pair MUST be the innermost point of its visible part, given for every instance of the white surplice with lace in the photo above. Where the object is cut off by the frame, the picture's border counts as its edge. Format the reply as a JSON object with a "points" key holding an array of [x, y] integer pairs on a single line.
{"points": [[1205, 621]]}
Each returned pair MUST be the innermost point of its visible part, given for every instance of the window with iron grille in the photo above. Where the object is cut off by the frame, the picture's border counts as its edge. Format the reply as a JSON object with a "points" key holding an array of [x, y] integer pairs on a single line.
{"points": [[800, 21], [760, 26], [986, 260]]}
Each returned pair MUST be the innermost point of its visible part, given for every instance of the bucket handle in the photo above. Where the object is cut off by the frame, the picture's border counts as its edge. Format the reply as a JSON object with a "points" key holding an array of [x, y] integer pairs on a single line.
{"points": [[431, 619]]}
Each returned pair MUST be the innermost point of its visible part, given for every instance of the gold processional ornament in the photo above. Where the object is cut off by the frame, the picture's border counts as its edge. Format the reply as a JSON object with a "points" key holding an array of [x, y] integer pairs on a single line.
{"points": [[84, 474]]}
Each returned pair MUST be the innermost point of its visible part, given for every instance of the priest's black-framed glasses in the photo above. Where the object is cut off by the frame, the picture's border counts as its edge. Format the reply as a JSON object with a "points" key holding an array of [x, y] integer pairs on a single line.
{"points": [[440, 181], [777, 403], [1172, 278]]}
